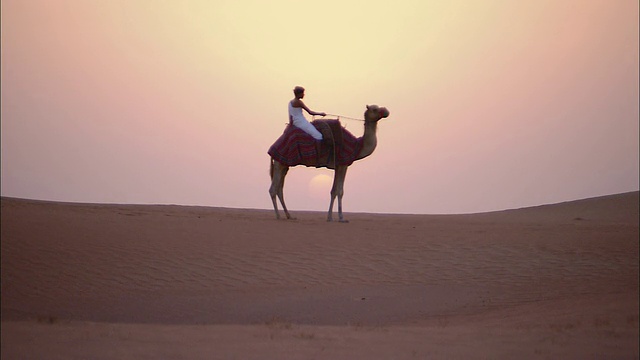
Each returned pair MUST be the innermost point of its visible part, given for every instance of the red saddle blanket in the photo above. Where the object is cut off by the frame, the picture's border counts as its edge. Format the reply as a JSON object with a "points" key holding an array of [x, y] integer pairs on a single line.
{"points": [[296, 147]]}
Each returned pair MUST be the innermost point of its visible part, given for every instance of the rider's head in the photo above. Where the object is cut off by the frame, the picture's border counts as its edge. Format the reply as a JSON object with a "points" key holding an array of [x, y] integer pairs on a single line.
{"points": [[298, 91]]}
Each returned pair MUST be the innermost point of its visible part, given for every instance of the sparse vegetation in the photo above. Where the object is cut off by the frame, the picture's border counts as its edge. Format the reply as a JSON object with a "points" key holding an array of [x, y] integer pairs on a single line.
{"points": [[47, 319], [278, 323], [305, 336]]}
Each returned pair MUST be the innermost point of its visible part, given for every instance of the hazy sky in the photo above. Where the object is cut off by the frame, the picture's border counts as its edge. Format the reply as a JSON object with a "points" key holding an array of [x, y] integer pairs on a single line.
{"points": [[494, 104]]}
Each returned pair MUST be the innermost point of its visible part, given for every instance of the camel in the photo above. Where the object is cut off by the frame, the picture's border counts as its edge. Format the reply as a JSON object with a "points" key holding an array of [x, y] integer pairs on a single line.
{"points": [[279, 170]]}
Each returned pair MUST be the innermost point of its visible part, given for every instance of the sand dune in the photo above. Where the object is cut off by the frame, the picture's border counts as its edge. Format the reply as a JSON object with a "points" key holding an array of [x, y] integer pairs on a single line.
{"points": [[128, 281]]}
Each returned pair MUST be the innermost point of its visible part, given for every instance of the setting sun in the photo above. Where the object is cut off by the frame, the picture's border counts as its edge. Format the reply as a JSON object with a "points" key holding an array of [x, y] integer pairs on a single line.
{"points": [[320, 187]]}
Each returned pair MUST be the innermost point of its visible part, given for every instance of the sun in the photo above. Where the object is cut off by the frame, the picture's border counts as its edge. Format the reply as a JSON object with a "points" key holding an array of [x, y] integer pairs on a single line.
{"points": [[320, 186]]}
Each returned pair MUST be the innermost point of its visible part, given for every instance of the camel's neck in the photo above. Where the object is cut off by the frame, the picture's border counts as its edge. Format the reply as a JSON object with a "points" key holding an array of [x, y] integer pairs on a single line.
{"points": [[369, 139]]}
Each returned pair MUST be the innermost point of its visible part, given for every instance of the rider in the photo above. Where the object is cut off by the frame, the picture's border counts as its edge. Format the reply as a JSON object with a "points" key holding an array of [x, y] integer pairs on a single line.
{"points": [[297, 118]]}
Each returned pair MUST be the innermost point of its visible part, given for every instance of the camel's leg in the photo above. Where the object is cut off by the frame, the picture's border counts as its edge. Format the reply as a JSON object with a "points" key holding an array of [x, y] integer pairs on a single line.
{"points": [[343, 175], [285, 170], [337, 191], [275, 185], [278, 174]]}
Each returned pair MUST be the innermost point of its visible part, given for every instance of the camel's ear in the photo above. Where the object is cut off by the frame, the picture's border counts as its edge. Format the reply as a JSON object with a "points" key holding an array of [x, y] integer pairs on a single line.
{"points": [[367, 107]]}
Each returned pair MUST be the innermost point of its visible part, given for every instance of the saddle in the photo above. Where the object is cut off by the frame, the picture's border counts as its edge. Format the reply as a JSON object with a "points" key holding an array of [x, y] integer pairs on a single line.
{"points": [[296, 147]]}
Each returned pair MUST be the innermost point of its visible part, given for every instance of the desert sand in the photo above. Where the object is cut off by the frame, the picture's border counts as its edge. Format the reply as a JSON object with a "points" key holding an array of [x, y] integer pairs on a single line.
{"points": [[94, 281]]}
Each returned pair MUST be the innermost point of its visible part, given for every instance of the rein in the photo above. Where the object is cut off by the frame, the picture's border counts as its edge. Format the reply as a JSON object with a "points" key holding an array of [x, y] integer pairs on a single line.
{"points": [[340, 116]]}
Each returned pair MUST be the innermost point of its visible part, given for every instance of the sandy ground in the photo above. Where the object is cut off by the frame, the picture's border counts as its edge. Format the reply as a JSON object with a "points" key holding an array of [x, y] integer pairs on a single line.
{"points": [[171, 282]]}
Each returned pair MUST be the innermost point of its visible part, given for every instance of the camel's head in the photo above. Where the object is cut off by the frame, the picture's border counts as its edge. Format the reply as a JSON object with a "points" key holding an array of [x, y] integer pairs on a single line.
{"points": [[375, 113]]}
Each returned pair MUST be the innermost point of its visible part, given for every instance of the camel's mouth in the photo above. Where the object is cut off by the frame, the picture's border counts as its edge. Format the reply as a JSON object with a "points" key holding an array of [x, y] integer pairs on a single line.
{"points": [[383, 112]]}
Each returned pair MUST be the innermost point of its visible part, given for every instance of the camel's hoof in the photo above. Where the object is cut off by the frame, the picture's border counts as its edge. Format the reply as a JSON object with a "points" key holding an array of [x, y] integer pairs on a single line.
{"points": [[341, 220]]}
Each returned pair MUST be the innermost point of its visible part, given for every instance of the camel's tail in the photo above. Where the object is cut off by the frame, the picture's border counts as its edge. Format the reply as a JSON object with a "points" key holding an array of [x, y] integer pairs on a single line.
{"points": [[271, 169]]}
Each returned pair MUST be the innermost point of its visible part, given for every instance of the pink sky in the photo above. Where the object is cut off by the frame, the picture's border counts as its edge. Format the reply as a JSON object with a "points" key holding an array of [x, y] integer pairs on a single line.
{"points": [[494, 104]]}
